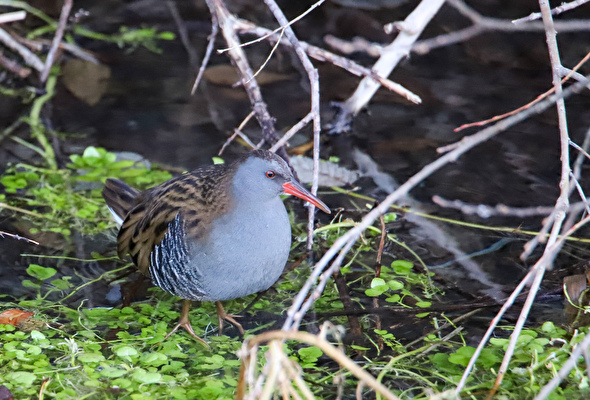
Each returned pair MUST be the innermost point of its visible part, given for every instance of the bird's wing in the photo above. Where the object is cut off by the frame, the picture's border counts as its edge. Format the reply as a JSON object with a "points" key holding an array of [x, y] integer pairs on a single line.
{"points": [[185, 206]]}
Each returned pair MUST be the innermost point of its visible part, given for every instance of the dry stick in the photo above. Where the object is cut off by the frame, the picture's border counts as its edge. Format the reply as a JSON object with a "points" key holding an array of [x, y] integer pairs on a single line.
{"points": [[29, 57], [353, 321], [580, 191], [14, 67], [313, 76], [563, 71], [484, 211], [326, 56], [12, 16], [240, 61], [39, 44], [577, 173], [345, 242], [280, 28], [562, 202], [59, 33], [294, 129], [378, 275], [331, 351], [505, 25], [238, 132], [557, 10], [482, 24], [412, 27], [581, 348], [211, 43], [182, 31], [17, 237]]}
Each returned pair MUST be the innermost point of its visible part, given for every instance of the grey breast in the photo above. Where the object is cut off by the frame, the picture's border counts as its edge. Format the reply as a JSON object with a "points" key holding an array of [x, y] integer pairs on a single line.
{"points": [[245, 253]]}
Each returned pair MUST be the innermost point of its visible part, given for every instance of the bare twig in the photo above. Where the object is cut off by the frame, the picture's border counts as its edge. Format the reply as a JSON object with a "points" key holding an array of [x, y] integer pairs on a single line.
{"points": [[236, 53], [59, 33], [182, 31], [18, 237], [12, 16], [29, 57], [539, 98], [238, 132], [557, 10], [339, 61], [313, 77], [412, 28], [535, 271], [484, 211], [211, 43], [13, 66]]}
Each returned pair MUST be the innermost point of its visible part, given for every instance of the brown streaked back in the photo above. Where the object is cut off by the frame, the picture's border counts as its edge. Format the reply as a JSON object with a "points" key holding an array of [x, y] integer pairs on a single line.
{"points": [[199, 197]]}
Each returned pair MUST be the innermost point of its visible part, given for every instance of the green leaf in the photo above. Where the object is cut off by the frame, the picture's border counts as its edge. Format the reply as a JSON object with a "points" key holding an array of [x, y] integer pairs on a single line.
{"points": [[310, 354], [141, 375], [91, 151], [30, 284], [376, 291], [39, 272], [91, 358], [377, 282], [126, 351], [113, 372], [402, 267], [395, 285], [462, 356], [389, 217], [36, 335], [22, 378]]}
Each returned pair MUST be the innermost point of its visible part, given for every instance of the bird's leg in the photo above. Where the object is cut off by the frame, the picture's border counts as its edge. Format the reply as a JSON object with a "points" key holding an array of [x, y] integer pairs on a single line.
{"points": [[186, 323], [221, 315]]}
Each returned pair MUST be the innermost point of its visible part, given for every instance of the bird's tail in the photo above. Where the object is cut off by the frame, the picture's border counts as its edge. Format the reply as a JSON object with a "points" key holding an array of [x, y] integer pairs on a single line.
{"points": [[120, 198]]}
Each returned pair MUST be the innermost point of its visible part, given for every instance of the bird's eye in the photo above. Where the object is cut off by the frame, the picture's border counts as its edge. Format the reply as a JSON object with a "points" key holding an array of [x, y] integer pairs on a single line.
{"points": [[270, 174]]}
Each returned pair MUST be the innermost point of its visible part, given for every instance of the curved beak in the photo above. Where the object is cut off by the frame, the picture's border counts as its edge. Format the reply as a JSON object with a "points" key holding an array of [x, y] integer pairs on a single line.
{"points": [[296, 189]]}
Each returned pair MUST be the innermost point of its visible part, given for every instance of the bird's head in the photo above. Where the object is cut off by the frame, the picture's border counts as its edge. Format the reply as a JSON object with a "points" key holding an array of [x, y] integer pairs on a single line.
{"points": [[263, 175]]}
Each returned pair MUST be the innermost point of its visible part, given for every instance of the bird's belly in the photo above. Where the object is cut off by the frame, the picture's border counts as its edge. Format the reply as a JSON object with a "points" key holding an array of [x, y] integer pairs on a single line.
{"points": [[240, 256]]}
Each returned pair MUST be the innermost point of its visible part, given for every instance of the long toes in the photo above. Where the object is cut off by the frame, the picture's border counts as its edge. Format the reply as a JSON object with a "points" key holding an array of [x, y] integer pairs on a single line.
{"points": [[187, 327], [230, 318]]}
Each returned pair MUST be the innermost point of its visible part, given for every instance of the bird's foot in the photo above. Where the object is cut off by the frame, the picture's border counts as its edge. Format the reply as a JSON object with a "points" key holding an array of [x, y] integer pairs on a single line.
{"points": [[185, 323], [222, 315], [187, 327]]}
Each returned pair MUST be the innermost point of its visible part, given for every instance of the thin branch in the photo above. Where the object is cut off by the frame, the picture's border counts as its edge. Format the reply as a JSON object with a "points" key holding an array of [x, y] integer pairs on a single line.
{"points": [[59, 33], [18, 237], [12, 16], [236, 53], [557, 10], [412, 28], [29, 57], [326, 56], [182, 31], [313, 77]]}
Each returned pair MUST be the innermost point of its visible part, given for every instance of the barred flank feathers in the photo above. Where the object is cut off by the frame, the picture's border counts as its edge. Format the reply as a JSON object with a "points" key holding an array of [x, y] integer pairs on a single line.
{"points": [[120, 198]]}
